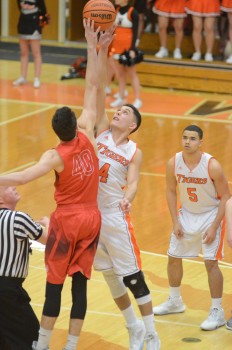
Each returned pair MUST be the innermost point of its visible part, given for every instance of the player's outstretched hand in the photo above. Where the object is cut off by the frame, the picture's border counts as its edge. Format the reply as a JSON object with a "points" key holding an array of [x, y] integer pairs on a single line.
{"points": [[91, 35], [107, 37]]}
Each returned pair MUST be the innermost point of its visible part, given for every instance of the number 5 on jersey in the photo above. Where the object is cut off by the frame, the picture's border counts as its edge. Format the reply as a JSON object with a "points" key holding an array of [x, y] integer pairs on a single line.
{"points": [[192, 194]]}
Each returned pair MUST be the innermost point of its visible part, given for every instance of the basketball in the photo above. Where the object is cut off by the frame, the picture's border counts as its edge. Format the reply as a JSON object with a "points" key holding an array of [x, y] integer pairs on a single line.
{"points": [[102, 12]]}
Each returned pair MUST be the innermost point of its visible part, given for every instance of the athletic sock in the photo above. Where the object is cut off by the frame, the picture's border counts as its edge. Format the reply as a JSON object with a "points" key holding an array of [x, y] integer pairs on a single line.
{"points": [[174, 292], [44, 339], [130, 316], [216, 303], [149, 323], [71, 342]]}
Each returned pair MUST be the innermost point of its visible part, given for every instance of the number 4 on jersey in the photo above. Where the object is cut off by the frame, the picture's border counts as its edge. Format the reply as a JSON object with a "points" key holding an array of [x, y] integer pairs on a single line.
{"points": [[104, 172]]}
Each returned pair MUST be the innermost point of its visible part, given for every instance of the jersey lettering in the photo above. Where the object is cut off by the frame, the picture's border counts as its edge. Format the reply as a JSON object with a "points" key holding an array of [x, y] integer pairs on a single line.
{"points": [[83, 164], [191, 180], [103, 149]]}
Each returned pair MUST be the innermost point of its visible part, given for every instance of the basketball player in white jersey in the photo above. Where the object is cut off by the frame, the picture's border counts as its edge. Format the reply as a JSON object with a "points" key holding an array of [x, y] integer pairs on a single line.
{"points": [[198, 225], [118, 255]]}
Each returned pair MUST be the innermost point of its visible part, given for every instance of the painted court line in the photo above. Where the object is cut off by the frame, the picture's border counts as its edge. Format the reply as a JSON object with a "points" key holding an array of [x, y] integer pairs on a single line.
{"points": [[23, 116], [145, 114], [112, 314]]}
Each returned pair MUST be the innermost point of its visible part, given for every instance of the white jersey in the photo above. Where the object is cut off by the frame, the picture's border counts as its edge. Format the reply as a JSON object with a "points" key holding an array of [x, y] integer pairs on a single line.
{"points": [[197, 191], [113, 167]]}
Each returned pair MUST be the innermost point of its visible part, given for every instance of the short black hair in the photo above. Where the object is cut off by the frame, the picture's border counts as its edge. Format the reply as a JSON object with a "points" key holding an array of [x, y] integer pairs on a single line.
{"points": [[195, 128], [137, 116], [64, 123]]}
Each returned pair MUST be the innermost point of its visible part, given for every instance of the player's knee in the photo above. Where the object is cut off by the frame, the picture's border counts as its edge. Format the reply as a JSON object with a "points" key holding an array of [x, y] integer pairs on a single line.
{"points": [[53, 300], [115, 284], [137, 285]]}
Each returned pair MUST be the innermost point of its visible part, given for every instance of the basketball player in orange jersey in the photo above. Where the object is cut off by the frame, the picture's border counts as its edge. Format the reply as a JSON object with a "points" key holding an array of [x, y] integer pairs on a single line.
{"points": [[199, 223], [75, 224], [118, 255], [229, 241]]}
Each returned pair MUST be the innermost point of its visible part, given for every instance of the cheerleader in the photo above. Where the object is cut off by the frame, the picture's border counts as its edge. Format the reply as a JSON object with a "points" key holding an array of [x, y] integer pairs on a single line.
{"points": [[204, 13], [126, 34], [227, 7], [166, 9], [29, 30]]}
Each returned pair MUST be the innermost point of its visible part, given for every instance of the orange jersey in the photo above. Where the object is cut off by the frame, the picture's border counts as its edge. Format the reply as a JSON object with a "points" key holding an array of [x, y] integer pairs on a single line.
{"points": [[170, 8], [226, 5], [78, 182], [123, 33], [203, 8]]}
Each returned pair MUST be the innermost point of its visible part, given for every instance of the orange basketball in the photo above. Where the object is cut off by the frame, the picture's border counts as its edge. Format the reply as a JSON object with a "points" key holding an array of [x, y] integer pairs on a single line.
{"points": [[102, 12]]}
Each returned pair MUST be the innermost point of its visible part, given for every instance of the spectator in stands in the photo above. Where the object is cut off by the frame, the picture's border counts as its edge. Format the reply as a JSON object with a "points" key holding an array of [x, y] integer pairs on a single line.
{"points": [[166, 9], [204, 15]]}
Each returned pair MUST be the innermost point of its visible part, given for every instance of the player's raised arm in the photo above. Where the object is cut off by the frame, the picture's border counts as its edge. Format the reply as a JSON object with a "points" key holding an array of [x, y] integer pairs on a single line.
{"points": [[105, 40], [87, 119]]}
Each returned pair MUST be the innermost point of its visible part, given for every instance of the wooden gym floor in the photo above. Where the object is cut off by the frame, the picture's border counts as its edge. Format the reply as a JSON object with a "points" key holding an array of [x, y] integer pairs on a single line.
{"points": [[25, 132]]}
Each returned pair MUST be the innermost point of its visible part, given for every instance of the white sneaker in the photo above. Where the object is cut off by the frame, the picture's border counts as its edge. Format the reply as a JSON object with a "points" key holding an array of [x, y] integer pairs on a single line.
{"points": [[136, 336], [229, 324], [36, 83], [177, 54], [171, 306], [152, 341], [34, 346], [118, 102], [196, 56], [229, 59], [162, 53], [19, 81], [137, 103], [215, 319], [117, 94], [208, 57]]}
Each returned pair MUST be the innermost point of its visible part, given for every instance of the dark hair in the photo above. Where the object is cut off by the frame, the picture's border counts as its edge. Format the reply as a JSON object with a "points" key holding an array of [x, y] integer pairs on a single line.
{"points": [[137, 116], [64, 123], [195, 128]]}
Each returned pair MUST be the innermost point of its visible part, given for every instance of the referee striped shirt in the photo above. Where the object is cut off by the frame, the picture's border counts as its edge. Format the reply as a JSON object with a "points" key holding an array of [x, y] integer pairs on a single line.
{"points": [[15, 230]]}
